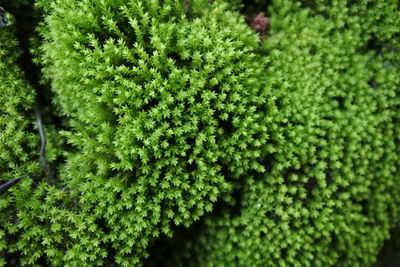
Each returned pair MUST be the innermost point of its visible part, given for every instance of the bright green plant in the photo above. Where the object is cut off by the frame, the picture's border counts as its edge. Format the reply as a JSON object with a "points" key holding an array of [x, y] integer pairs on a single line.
{"points": [[170, 106], [163, 112], [331, 193], [33, 214]]}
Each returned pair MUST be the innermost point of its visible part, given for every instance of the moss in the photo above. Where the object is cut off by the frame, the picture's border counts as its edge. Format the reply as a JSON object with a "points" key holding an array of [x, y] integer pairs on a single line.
{"points": [[171, 112], [330, 197], [162, 103], [17, 141]]}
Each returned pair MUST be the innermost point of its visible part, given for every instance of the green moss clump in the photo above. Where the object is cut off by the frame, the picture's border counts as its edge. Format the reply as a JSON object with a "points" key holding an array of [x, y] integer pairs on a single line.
{"points": [[168, 107], [163, 113], [17, 142], [37, 220], [330, 196]]}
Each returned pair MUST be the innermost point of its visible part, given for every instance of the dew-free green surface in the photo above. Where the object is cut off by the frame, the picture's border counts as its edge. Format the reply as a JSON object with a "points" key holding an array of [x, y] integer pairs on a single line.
{"points": [[171, 108], [331, 194]]}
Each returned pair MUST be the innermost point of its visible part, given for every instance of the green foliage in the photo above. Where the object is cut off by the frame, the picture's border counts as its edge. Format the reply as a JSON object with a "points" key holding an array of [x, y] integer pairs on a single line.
{"points": [[33, 214], [16, 100], [162, 103], [331, 194], [17, 143], [170, 106]]}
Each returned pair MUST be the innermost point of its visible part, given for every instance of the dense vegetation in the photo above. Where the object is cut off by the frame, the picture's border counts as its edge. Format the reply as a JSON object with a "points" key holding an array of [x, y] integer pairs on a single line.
{"points": [[327, 198], [285, 151]]}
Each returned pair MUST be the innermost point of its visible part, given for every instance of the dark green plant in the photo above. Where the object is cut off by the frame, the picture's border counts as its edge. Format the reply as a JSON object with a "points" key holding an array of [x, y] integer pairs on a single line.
{"points": [[17, 140]]}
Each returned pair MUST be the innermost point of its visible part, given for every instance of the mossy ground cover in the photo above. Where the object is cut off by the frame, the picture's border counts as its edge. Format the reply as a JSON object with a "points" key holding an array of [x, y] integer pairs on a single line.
{"points": [[278, 148]]}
